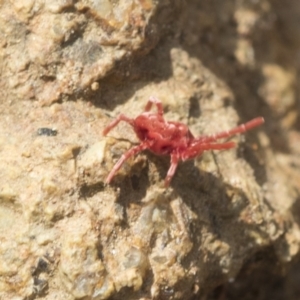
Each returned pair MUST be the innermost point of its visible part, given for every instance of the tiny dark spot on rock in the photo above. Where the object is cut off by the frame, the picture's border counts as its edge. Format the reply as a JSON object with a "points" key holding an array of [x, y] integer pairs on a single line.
{"points": [[39, 285], [227, 102], [76, 151], [194, 108], [46, 131], [135, 182], [42, 265], [168, 290]]}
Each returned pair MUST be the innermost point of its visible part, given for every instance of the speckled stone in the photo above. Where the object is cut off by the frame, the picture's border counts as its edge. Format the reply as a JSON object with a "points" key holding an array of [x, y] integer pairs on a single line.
{"points": [[64, 233]]}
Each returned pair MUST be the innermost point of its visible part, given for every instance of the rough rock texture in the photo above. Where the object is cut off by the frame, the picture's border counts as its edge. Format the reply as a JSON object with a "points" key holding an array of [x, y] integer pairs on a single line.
{"points": [[58, 49], [227, 228]]}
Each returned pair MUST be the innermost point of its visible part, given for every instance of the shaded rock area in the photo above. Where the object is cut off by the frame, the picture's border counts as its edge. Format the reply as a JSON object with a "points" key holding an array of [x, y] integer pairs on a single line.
{"points": [[226, 228]]}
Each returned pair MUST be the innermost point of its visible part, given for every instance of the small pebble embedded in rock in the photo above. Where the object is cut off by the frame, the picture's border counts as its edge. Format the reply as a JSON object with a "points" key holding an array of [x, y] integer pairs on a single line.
{"points": [[47, 131]]}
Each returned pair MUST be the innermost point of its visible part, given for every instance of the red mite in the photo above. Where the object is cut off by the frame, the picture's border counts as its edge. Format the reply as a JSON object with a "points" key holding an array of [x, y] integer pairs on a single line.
{"points": [[171, 138]]}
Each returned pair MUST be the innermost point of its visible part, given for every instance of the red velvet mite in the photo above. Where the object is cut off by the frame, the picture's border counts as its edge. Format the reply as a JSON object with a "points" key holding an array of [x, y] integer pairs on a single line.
{"points": [[171, 138]]}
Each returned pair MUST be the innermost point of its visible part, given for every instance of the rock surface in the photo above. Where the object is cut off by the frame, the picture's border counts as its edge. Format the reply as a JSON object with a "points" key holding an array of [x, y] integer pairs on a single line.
{"points": [[228, 226]]}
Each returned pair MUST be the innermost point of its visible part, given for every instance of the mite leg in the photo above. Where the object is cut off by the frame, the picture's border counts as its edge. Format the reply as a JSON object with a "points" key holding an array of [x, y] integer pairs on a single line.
{"points": [[199, 148], [220, 146], [152, 100], [172, 169], [124, 157], [116, 121], [237, 130]]}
